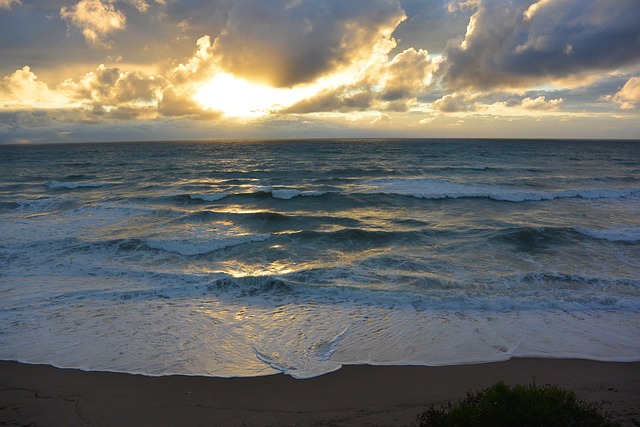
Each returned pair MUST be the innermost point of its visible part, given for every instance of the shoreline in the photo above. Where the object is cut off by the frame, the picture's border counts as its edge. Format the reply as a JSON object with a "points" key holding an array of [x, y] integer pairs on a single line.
{"points": [[354, 395]]}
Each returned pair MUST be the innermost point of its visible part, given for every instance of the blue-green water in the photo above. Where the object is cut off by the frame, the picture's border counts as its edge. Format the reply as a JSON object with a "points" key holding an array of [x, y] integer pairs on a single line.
{"points": [[254, 257]]}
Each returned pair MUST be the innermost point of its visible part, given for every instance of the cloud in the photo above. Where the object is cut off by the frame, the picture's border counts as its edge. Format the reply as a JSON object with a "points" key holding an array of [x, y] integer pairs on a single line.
{"points": [[390, 86], [174, 105], [344, 66], [497, 104], [345, 98], [113, 93], [6, 4], [140, 5], [406, 75], [285, 43], [540, 103], [453, 104], [182, 105], [627, 97], [518, 43], [110, 86], [23, 88], [198, 67], [383, 121], [96, 19], [431, 24], [95, 86], [461, 5], [102, 94]]}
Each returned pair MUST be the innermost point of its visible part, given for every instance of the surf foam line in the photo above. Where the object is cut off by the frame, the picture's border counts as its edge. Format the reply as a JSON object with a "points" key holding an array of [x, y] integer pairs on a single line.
{"points": [[429, 188]]}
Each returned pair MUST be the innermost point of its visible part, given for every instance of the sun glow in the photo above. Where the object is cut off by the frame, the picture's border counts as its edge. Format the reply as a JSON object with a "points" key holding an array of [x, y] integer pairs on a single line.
{"points": [[240, 98]]}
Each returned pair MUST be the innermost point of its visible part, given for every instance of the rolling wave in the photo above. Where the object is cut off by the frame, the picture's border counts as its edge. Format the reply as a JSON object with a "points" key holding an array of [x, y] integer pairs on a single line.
{"points": [[420, 188], [72, 185], [428, 188], [531, 239], [208, 197], [628, 234], [258, 193], [287, 194], [189, 246]]}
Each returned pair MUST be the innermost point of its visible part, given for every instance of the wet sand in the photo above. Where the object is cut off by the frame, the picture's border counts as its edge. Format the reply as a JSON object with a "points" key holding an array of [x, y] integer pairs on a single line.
{"points": [[353, 396]]}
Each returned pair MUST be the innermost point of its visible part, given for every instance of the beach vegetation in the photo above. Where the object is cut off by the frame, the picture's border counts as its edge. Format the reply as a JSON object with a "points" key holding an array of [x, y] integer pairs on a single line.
{"points": [[520, 405]]}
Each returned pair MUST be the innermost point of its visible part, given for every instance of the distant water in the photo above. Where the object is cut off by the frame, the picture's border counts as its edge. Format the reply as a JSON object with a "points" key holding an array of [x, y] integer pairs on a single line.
{"points": [[254, 257]]}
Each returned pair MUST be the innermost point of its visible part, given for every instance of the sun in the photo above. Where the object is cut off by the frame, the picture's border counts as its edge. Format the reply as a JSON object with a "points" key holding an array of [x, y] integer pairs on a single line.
{"points": [[237, 97]]}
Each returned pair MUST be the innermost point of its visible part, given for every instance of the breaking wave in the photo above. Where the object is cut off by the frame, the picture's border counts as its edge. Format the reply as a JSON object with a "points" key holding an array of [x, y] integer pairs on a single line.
{"points": [[428, 188]]}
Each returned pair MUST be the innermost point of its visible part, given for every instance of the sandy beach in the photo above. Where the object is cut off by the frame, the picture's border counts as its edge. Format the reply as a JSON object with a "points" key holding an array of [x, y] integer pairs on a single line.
{"points": [[353, 396]]}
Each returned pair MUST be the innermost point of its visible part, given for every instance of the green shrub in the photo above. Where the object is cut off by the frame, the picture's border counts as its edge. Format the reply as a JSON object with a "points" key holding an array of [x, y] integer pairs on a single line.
{"points": [[524, 406]]}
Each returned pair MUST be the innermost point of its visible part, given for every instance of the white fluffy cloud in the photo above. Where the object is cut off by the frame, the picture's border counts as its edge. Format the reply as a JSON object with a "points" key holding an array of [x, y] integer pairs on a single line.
{"points": [[97, 19], [453, 103], [541, 103], [23, 88], [105, 92], [627, 97]]}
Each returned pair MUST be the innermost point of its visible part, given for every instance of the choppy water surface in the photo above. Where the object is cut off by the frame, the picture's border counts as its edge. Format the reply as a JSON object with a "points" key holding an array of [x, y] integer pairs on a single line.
{"points": [[249, 258]]}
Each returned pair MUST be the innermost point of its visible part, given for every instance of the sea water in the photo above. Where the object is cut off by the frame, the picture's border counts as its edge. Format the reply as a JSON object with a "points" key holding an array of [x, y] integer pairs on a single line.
{"points": [[245, 258]]}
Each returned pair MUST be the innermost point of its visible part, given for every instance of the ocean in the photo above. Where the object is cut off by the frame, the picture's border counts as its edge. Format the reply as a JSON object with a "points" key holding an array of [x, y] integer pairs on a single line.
{"points": [[248, 258]]}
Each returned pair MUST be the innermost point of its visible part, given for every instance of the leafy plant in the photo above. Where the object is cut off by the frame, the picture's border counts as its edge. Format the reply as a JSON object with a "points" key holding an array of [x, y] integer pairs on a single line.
{"points": [[521, 405]]}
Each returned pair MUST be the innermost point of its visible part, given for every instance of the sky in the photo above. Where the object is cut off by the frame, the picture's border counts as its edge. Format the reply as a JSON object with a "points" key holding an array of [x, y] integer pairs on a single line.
{"points": [[131, 70]]}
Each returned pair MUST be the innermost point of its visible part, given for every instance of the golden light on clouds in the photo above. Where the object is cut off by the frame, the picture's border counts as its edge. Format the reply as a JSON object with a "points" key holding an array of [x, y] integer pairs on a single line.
{"points": [[237, 97], [23, 89], [80, 68], [96, 19]]}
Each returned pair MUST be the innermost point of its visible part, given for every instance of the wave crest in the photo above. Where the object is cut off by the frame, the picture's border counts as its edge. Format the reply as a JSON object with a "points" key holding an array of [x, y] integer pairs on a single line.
{"points": [[430, 188], [286, 194], [615, 234], [208, 197], [57, 185]]}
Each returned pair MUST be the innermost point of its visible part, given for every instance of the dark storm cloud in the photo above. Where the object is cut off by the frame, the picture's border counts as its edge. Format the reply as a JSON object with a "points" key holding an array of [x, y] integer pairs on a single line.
{"points": [[286, 42], [430, 24], [516, 42]]}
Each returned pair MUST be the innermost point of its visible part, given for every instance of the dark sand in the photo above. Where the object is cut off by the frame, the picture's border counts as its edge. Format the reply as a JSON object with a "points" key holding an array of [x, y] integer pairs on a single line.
{"points": [[353, 396]]}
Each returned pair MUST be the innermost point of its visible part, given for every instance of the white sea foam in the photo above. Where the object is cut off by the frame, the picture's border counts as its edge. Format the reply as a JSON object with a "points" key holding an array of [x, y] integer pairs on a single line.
{"points": [[300, 334], [429, 188], [40, 204], [306, 355]]}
